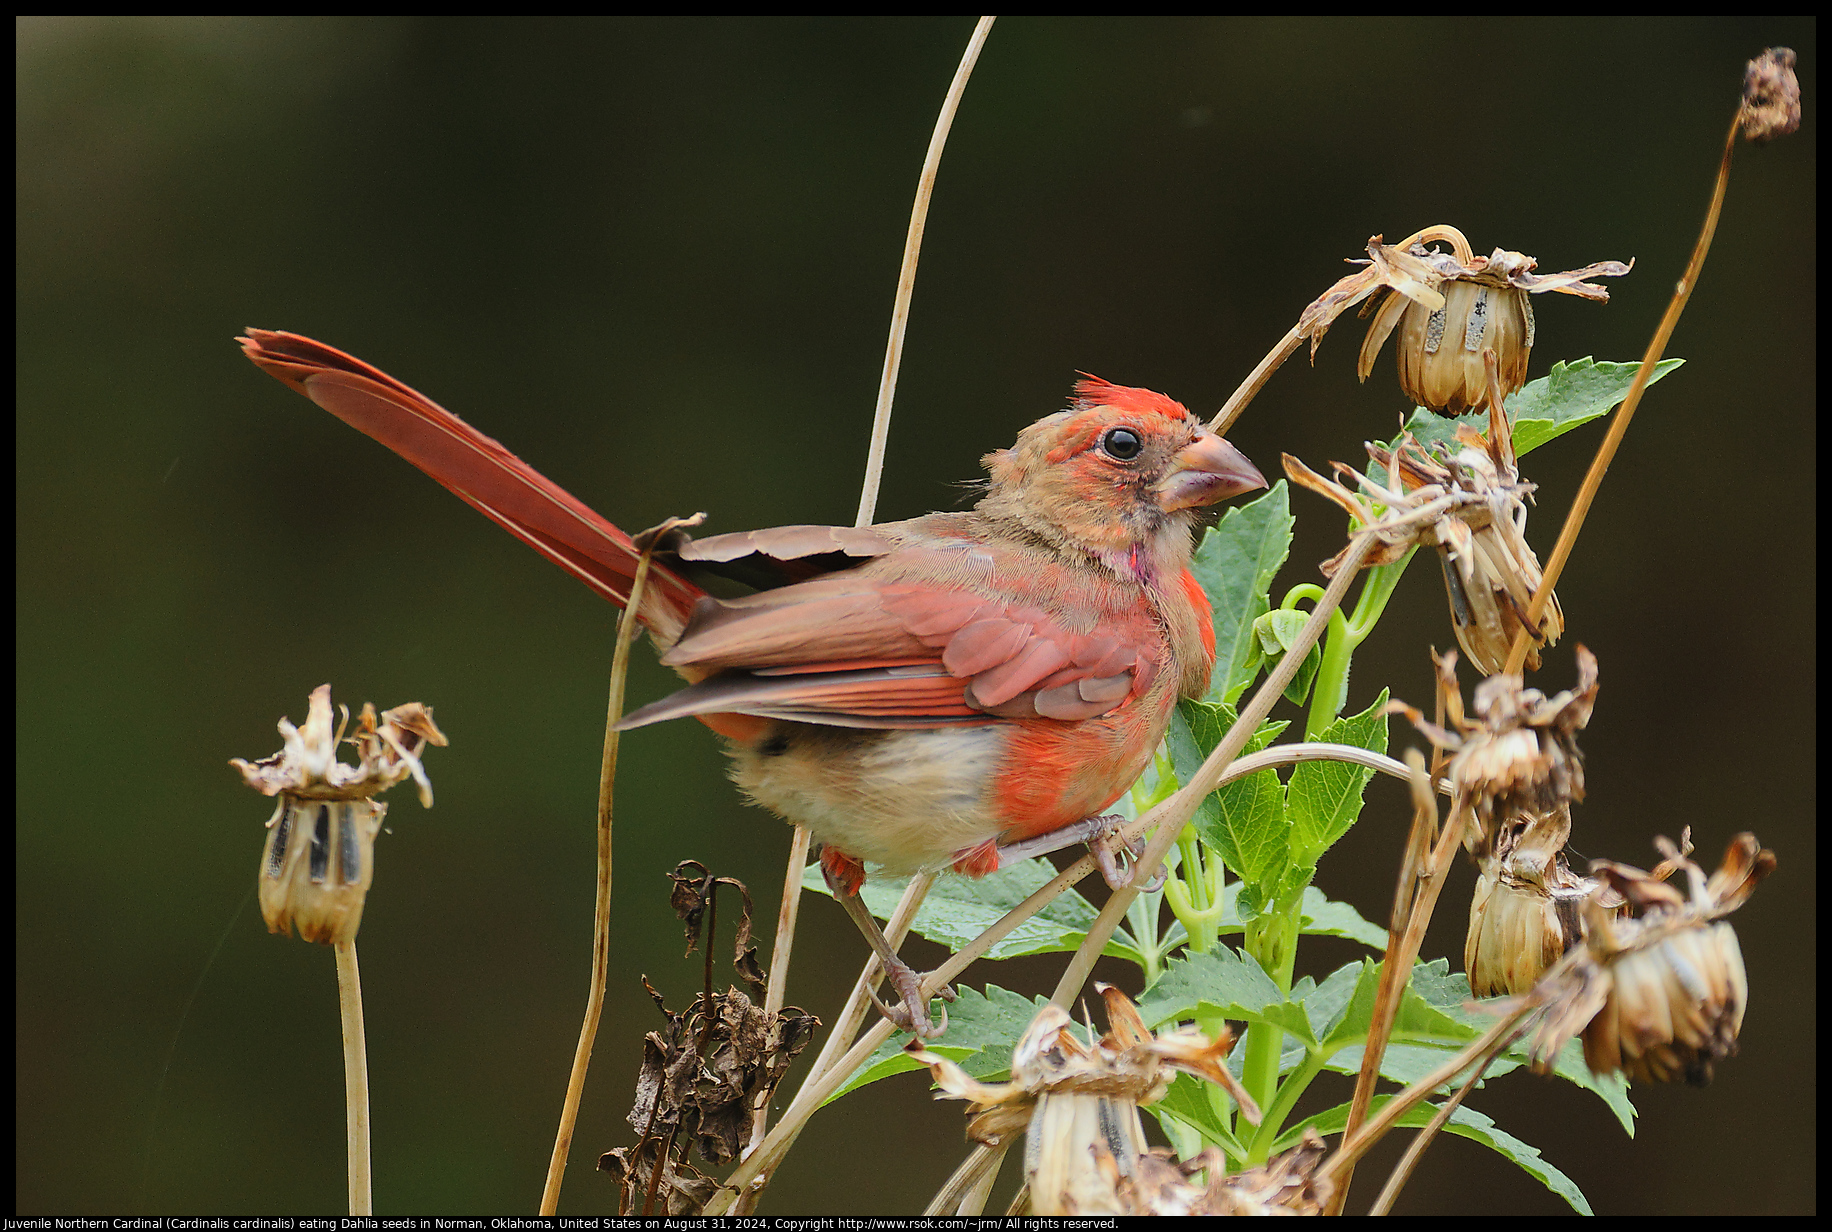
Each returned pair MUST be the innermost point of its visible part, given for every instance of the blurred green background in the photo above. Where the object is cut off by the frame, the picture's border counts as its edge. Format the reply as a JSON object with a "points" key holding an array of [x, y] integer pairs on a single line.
{"points": [[656, 258]]}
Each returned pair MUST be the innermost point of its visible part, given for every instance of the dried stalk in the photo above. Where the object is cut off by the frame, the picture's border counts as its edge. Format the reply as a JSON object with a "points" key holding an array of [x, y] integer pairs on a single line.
{"points": [[601, 911], [1356, 1144], [1599, 466], [1395, 973], [356, 1079], [906, 276], [1415, 1150]]}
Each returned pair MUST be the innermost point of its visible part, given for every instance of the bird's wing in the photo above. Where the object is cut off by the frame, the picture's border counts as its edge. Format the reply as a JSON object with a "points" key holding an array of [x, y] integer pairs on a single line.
{"points": [[854, 650]]}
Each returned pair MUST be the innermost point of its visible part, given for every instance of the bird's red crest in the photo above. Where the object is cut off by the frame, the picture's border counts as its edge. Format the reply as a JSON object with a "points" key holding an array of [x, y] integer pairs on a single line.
{"points": [[1091, 391]]}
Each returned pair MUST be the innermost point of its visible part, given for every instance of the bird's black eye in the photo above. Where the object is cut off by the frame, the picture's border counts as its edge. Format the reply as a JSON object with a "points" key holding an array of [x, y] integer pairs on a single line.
{"points": [[1121, 443]]}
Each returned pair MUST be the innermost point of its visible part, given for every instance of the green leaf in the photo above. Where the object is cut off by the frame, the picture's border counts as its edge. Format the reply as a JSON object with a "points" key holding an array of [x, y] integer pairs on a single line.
{"points": [[1321, 914], [958, 909], [1465, 1122], [982, 1030], [1569, 396], [1235, 563], [1324, 797], [1318, 915], [1188, 1100], [1226, 983], [1326, 1003], [1439, 1012], [1274, 634], [1243, 820]]}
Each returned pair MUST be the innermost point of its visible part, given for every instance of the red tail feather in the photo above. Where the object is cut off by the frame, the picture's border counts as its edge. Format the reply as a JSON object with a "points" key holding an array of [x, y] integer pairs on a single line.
{"points": [[485, 475]]}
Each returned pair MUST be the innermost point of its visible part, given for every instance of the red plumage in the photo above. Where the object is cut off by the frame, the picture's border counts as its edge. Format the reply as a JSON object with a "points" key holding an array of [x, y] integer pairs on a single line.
{"points": [[918, 693]]}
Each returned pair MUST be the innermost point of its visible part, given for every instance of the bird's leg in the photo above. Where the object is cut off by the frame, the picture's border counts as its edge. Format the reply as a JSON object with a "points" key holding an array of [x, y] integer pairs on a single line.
{"points": [[1100, 834], [844, 876]]}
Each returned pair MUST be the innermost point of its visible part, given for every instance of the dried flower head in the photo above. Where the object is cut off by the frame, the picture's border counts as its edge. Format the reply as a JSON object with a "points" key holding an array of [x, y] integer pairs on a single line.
{"points": [[1470, 504], [1077, 1100], [1449, 307], [1659, 996], [1771, 96], [1160, 1184], [1518, 758], [319, 858], [1528, 906]]}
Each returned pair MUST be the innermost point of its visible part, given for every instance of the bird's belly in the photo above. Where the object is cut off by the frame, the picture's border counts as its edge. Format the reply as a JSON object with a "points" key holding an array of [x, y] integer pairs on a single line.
{"points": [[908, 799]]}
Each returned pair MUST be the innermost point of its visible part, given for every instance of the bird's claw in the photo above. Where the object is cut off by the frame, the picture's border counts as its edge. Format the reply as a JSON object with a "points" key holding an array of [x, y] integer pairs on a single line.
{"points": [[1115, 859], [911, 1013]]}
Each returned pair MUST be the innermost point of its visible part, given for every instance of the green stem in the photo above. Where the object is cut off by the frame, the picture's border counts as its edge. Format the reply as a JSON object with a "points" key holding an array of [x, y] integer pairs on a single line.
{"points": [[1272, 940], [1272, 1118], [1330, 692]]}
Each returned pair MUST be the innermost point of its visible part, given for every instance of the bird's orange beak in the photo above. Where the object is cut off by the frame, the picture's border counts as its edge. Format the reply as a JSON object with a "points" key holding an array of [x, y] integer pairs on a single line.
{"points": [[1205, 471]]}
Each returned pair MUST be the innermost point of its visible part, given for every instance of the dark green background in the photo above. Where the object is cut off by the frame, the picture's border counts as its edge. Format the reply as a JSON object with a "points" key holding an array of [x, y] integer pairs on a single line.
{"points": [[656, 259]]}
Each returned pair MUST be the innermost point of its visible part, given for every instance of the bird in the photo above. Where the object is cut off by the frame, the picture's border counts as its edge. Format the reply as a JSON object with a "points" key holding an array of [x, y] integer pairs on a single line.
{"points": [[944, 692]]}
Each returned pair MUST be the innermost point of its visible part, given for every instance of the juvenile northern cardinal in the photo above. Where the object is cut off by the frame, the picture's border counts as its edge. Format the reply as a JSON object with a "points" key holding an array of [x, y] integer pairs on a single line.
{"points": [[919, 694]]}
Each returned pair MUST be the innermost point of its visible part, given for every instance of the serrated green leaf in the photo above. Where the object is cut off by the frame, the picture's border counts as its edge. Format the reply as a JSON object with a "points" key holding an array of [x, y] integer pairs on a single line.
{"points": [[1235, 563], [1322, 914], [1325, 1004], [1324, 797], [1188, 1100], [1243, 820], [958, 909], [1223, 982], [1465, 1122], [1569, 396], [1439, 1012], [982, 1030]]}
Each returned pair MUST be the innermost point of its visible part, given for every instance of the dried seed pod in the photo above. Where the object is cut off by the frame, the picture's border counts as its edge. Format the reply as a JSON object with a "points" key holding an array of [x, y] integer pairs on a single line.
{"points": [[1449, 307], [1527, 909], [1516, 761], [1771, 96], [1471, 505], [1286, 1184], [319, 858], [1659, 996]]}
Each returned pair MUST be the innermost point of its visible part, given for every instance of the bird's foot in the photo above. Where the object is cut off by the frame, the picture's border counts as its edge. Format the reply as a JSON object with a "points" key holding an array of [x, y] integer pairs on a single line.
{"points": [[1116, 858], [911, 1013], [1100, 833]]}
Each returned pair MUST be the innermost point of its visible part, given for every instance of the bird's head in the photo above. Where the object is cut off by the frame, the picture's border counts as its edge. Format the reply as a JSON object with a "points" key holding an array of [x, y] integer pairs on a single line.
{"points": [[1118, 476]]}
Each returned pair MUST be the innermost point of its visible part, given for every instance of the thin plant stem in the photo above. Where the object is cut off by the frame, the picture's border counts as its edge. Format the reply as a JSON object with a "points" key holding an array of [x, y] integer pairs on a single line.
{"points": [[356, 1078], [601, 911], [1356, 1143], [856, 1007], [1395, 974], [786, 915], [1606, 452], [906, 275], [966, 1191], [1415, 1150], [1170, 816]]}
